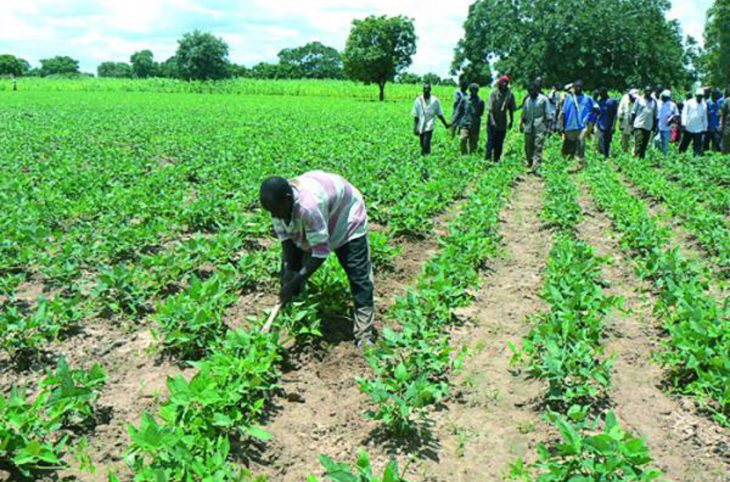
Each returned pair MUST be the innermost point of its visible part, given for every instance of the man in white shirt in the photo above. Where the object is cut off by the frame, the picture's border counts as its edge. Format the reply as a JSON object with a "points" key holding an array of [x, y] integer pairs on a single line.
{"points": [[668, 116], [644, 117], [426, 109], [624, 118], [694, 123]]}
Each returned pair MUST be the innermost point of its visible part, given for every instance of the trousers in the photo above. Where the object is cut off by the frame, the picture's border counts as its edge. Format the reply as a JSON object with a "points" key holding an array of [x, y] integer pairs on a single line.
{"points": [[495, 143], [695, 138], [534, 142], [354, 257]]}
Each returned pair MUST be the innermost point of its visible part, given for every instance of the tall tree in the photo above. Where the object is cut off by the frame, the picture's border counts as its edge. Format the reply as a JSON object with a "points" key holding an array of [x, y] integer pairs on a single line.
{"points": [[60, 64], [168, 68], [311, 61], [202, 56], [716, 57], [143, 64], [10, 65], [114, 69], [612, 42], [378, 49]]}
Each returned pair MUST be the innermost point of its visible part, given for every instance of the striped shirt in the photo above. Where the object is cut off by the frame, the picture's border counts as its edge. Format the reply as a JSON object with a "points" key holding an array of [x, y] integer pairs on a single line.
{"points": [[328, 212]]}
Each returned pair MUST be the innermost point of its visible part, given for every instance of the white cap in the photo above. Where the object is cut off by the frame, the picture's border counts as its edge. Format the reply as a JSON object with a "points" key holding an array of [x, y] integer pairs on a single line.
{"points": [[667, 93], [634, 92], [700, 91]]}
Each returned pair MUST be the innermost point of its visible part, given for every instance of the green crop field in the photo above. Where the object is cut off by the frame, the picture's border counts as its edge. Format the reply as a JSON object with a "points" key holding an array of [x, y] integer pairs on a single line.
{"points": [[572, 326]]}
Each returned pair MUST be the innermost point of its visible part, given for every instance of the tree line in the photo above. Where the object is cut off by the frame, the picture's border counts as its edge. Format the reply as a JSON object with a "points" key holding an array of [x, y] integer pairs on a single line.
{"points": [[615, 43]]}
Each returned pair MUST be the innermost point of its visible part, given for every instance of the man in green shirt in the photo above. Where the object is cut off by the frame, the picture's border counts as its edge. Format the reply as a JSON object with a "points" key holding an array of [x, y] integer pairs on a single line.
{"points": [[534, 123], [469, 113]]}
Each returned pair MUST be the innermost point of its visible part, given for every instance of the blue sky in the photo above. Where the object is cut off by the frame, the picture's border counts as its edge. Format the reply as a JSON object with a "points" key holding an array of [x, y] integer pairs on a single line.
{"points": [[97, 30]]}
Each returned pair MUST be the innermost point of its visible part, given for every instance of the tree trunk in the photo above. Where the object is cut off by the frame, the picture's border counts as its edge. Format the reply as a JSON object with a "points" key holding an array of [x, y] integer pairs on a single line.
{"points": [[382, 91]]}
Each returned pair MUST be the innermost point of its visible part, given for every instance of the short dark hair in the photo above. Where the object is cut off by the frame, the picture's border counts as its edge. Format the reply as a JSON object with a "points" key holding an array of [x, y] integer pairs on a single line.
{"points": [[604, 91], [578, 83], [274, 190]]}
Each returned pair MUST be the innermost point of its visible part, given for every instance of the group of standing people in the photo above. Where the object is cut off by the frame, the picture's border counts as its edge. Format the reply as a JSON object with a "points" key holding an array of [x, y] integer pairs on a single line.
{"points": [[466, 119], [702, 120]]}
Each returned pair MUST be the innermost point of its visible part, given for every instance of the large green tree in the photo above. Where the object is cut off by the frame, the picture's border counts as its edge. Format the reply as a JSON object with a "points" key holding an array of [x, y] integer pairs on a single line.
{"points": [[202, 56], [114, 69], [715, 60], [60, 64], [11, 65], [612, 42], [311, 61], [143, 64], [378, 49]]}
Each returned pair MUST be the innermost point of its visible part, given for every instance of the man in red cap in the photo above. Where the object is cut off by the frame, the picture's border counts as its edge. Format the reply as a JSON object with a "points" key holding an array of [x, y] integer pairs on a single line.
{"points": [[501, 103]]}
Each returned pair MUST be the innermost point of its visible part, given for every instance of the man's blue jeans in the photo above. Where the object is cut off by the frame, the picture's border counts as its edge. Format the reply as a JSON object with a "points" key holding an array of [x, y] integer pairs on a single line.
{"points": [[664, 139]]}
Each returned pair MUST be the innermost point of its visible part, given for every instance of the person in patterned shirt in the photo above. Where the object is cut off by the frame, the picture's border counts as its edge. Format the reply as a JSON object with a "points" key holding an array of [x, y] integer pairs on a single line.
{"points": [[313, 215]]}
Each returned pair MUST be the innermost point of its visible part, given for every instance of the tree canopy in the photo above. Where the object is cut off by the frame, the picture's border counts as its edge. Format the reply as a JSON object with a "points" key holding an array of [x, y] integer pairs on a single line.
{"points": [[378, 49], [715, 61], [202, 56], [612, 42], [311, 61], [12, 65], [143, 64], [114, 69], [59, 65]]}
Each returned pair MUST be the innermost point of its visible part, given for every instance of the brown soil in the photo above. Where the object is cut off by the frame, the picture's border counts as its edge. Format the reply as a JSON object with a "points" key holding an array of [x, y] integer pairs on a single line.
{"points": [[494, 417], [687, 446]]}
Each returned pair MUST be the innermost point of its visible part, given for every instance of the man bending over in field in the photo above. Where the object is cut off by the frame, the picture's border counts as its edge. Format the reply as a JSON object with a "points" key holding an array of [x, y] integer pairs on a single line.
{"points": [[313, 215]]}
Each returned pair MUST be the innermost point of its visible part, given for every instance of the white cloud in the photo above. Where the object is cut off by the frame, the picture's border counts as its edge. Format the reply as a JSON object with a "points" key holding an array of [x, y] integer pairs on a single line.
{"points": [[256, 30], [691, 15]]}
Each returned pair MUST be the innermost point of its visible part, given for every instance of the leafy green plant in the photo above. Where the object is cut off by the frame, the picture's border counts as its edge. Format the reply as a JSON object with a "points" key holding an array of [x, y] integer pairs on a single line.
{"points": [[71, 393], [190, 322], [610, 455], [362, 472]]}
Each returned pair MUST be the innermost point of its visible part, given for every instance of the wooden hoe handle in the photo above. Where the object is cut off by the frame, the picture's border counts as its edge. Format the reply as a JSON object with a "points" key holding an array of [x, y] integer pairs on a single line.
{"points": [[272, 316]]}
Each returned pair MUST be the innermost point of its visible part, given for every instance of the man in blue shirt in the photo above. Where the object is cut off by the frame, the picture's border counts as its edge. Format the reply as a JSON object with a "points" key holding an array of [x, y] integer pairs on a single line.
{"points": [[575, 116], [607, 111], [714, 135]]}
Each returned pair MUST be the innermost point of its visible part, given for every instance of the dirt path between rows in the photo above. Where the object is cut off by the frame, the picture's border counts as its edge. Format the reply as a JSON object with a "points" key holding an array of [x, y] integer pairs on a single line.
{"points": [[493, 419], [685, 445]]}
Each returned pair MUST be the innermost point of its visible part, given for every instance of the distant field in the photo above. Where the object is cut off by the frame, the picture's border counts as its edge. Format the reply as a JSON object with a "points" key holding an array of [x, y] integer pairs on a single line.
{"points": [[318, 88]]}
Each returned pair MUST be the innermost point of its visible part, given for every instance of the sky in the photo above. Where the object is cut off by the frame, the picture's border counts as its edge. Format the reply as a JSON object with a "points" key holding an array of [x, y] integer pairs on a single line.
{"points": [[94, 31]]}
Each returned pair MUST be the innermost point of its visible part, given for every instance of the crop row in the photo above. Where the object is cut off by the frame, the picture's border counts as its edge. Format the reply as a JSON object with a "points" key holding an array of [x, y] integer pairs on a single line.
{"points": [[411, 365], [712, 168], [698, 327], [36, 435], [693, 176], [709, 227], [565, 348]]}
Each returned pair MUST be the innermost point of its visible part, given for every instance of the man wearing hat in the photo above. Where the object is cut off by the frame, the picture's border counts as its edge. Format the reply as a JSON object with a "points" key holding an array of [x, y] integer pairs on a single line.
{"points": [[624, 118], [694, 122], [501, 104], [668, 116]]}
